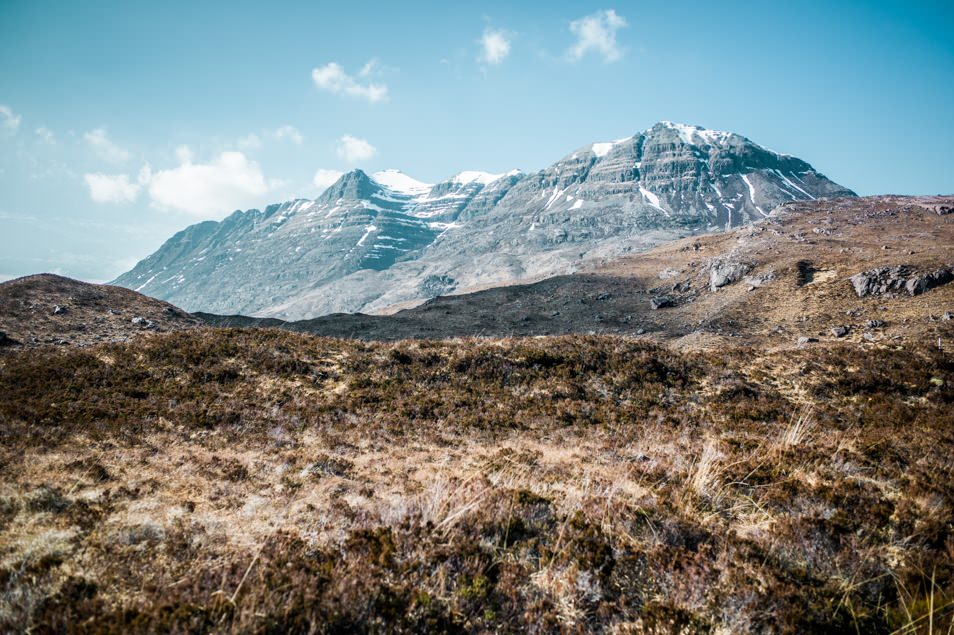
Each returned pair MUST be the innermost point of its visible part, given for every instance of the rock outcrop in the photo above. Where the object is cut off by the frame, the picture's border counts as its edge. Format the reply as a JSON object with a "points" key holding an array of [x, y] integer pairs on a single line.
{"points": [[897, 279]]}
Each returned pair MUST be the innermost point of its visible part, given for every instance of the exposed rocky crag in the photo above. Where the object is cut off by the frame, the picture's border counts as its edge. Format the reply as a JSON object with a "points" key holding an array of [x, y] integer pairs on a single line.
{"points": [[899, 278], [373, 242]]}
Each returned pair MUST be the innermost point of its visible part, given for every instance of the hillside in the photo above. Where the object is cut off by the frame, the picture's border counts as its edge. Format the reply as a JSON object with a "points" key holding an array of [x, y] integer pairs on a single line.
{"points": [[371, 242], [793, 275], [46, 309], [258, 481]]}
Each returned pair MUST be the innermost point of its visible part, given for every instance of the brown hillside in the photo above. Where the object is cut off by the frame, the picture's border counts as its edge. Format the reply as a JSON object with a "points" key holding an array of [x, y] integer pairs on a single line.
{"points": [[48, 309]]}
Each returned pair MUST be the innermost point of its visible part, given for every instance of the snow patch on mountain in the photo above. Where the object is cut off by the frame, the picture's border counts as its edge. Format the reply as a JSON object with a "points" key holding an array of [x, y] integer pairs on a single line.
{"points": [[398, 181]]}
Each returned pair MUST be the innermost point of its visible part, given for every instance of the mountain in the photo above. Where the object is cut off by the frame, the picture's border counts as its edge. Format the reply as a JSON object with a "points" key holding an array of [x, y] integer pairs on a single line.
{"points": [[764, 285], [373, 242]]}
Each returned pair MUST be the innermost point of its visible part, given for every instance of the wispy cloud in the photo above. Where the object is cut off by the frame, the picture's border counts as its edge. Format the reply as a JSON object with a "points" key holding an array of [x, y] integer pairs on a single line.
{"points": [[100, 142], [111, 188], [332, 78], [596, 33], [353, 150], [495, 46], [250, 141], [291, 133], [9, 120], [326, 178], [46, 135]]}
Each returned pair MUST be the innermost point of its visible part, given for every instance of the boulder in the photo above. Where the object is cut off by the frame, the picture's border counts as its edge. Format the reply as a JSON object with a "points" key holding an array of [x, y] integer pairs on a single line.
{"points": [[806, 340], [839, 331], [725, 272], [874, 324], [918, 284], [59, 310], [948, 315], [661, 302]]}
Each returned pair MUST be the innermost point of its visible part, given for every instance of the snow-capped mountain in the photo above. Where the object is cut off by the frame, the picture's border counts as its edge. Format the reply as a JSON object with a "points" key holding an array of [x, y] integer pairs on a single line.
{"points": [[369, 242]]}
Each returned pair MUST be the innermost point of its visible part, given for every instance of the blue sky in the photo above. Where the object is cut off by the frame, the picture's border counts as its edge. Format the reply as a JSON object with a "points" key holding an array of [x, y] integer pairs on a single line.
{"points": [[123, 122]]}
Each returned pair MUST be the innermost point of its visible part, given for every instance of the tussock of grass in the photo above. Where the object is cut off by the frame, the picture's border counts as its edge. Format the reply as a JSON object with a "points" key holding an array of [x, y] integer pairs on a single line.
{"points": [[258, 481]]}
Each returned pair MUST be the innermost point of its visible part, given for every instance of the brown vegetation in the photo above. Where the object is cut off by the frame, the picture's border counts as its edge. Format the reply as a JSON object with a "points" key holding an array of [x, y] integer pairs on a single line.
{"points": [[261, 481]]}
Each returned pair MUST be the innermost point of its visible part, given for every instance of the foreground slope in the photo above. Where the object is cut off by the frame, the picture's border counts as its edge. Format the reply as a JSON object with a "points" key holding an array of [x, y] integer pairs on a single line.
{"points": [[372, 242], [260, 481]]}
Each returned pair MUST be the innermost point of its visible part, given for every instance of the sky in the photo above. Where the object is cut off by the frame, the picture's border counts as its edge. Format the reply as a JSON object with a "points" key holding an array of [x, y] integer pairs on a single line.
{"points": [[122, 123]]}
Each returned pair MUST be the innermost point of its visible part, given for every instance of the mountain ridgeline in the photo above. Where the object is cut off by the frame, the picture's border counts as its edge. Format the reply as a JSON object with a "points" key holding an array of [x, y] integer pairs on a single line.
{"points": [[372, 242]]}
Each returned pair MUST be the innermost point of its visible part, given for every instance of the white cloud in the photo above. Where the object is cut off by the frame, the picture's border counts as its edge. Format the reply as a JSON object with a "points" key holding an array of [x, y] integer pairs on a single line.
{"points": [[45, 134], [291, 133], [332, 78], [597, 33], [231, 181], [111, 188], [99, 141], [326, 178], [354, 150], [9, 120], [496, 46]]}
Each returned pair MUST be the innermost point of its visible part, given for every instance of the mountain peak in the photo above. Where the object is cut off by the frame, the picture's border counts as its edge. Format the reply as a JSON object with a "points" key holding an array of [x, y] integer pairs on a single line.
{"points": [[352, 185], [692, 135], [400, 182]]}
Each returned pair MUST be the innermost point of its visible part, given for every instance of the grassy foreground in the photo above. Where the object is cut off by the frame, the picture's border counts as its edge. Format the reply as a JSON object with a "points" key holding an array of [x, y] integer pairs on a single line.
{"points": [[254, 481]]}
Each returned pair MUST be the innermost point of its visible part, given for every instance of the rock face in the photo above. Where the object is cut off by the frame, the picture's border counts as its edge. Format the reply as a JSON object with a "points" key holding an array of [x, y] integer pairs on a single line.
{"points": [[369, 242], [898, 278]]}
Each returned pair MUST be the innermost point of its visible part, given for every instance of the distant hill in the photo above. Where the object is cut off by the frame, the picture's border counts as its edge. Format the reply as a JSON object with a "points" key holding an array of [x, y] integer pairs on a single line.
{"points": [[50, 309]]}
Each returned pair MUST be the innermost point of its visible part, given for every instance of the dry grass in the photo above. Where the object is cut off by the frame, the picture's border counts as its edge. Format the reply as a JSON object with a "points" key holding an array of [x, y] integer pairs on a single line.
{"points": [[255, 481]]}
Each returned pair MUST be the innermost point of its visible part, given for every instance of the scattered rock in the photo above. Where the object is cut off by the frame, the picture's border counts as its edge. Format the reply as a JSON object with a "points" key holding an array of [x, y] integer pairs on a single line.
{"points": [[760, 279], [661, 302], [665, 274], [874, 324], [723, 273], [144, 323], [806, 340], [868, 336], [839, 331]]}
